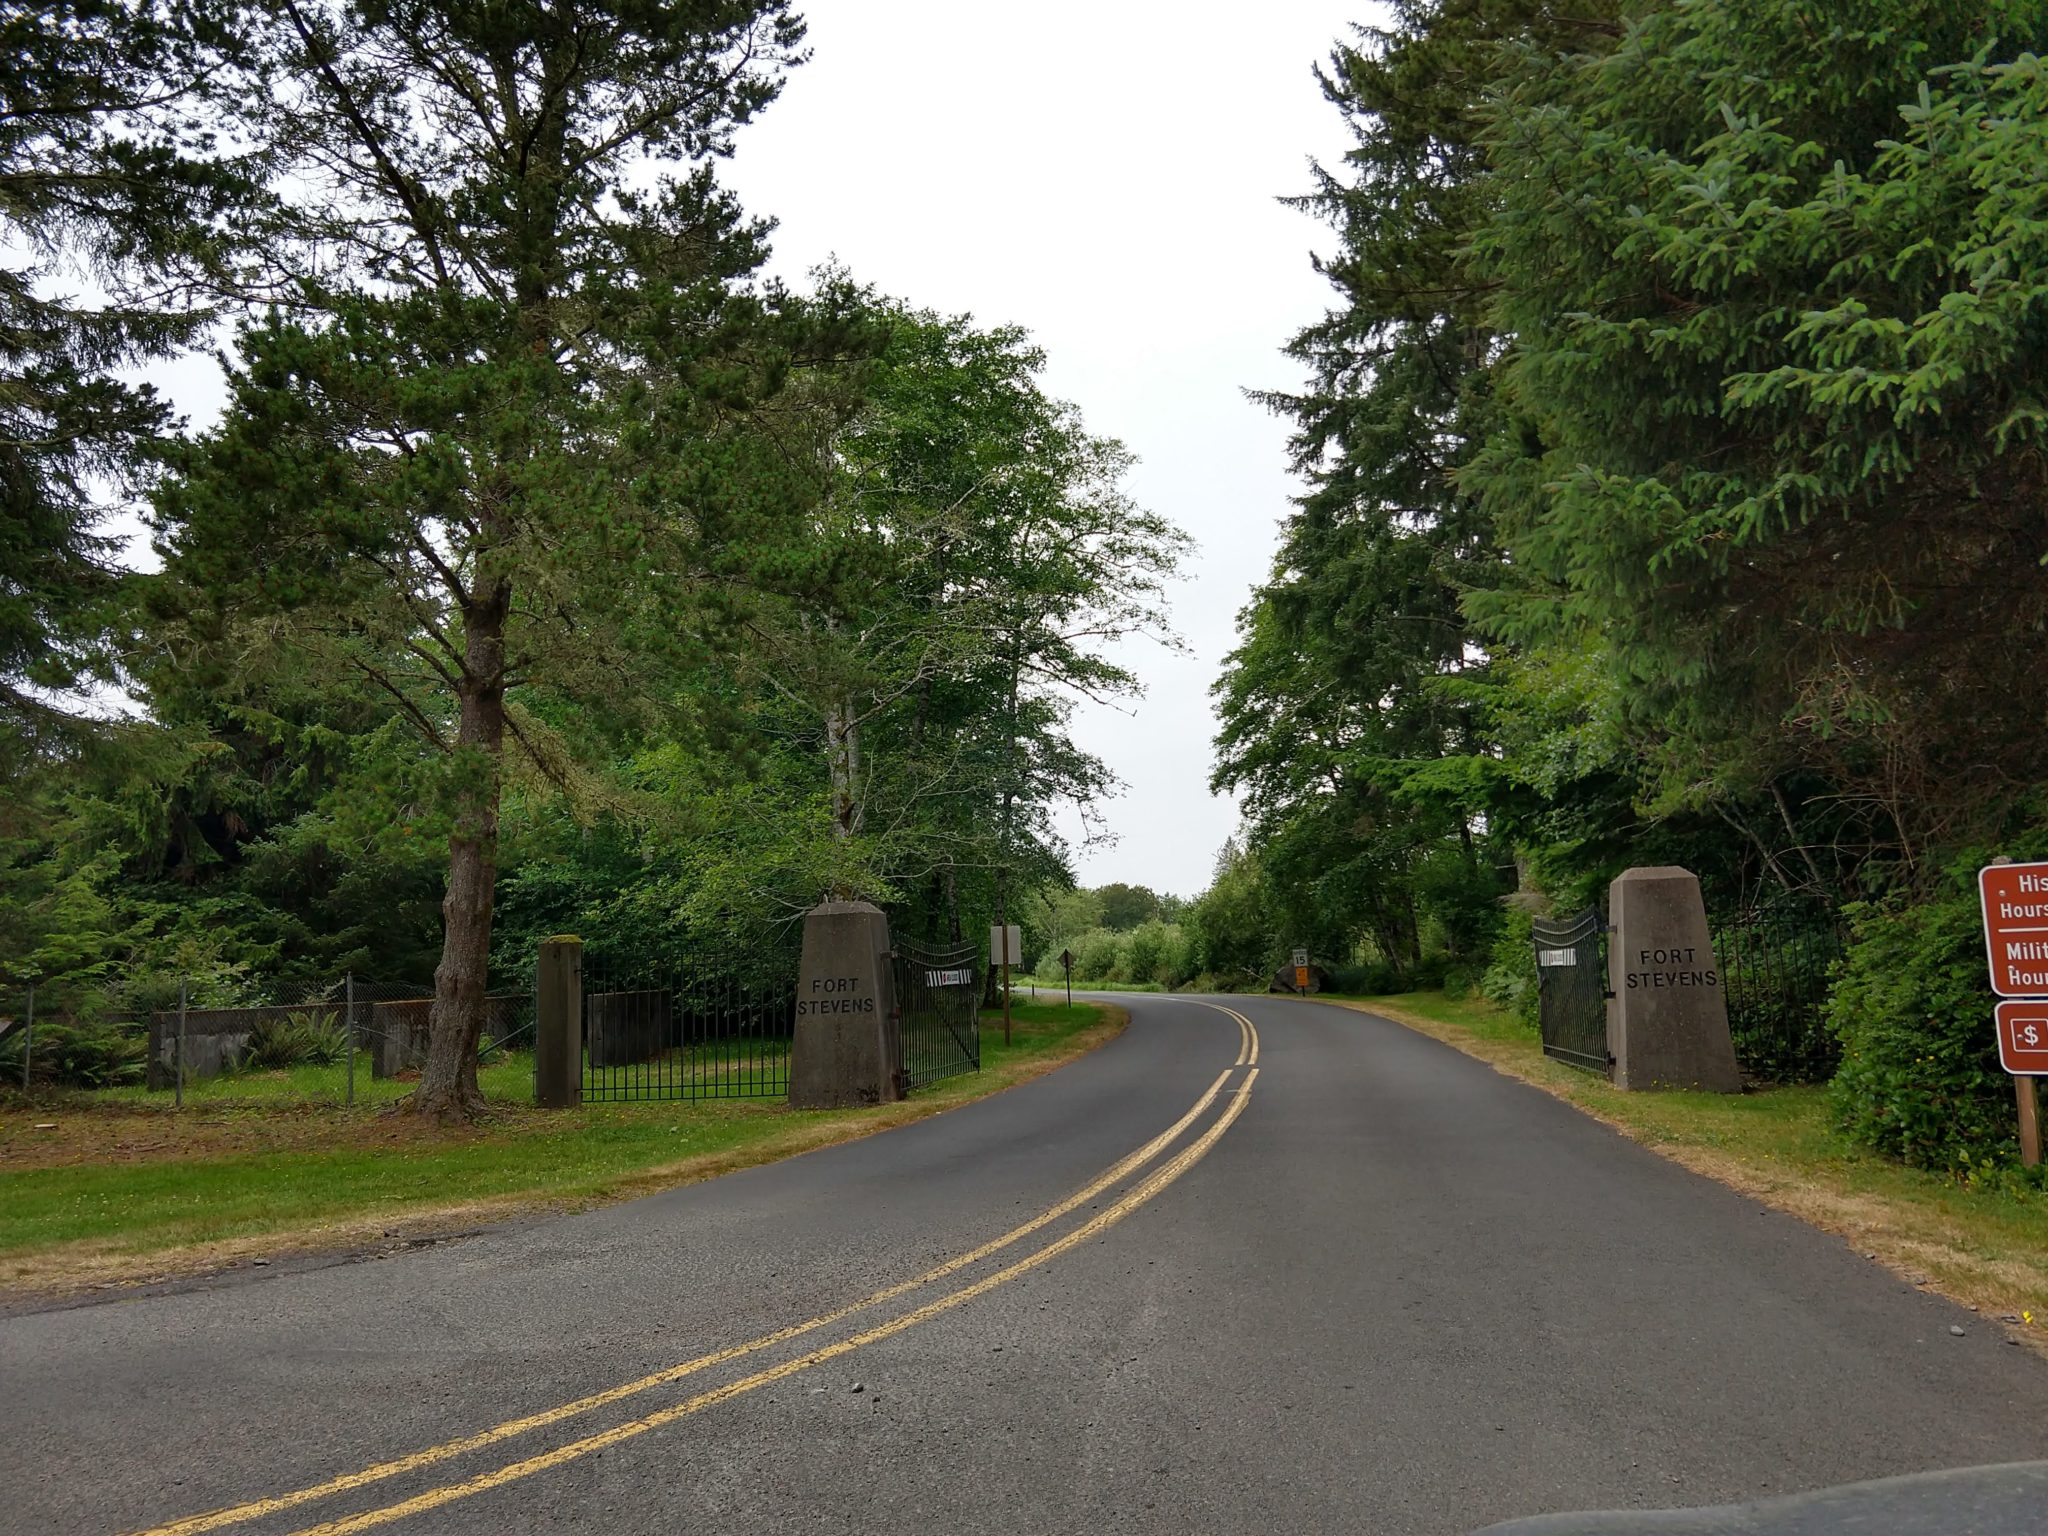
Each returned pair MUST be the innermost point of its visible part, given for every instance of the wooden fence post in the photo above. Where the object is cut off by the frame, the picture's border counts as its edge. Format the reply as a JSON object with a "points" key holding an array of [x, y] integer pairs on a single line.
{"points": [[2030, 1121], [558, 1025]]}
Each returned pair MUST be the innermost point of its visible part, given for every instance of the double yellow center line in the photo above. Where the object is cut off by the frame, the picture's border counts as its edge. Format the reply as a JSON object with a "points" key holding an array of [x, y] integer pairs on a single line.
{"points": [[1151, 1185]]}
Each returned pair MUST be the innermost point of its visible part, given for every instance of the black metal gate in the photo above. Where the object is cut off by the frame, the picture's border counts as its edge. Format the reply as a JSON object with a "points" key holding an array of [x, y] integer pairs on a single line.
{"points": [[938, 996], [707, 1031], [1776, 959], [1571, 978]]}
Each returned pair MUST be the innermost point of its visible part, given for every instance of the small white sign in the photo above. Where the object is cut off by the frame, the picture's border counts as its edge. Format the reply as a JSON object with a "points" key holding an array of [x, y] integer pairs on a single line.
{"points": [[962, 977], [1301, 957], [1002, 953], [1557, 957]]}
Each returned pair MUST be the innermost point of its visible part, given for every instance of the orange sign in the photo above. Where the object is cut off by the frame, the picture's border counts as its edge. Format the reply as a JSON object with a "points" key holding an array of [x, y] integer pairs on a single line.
{"points": [[2023, 1036], [1301, 978], [2015, 900]]}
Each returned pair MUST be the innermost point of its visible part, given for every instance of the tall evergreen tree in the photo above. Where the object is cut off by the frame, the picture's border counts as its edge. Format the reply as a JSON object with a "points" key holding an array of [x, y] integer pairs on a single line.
{"points": [[507, 415], [114, 201]]}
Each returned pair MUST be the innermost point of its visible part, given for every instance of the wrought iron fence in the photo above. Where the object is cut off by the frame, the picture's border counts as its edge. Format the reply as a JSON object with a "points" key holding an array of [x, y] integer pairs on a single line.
{"points": [[1571, 979], [938, 998], [1777, 960], [695, 1029]]}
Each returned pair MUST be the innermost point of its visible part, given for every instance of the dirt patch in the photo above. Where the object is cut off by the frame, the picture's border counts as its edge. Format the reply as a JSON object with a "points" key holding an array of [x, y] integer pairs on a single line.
{"points": [[68, 1134]]}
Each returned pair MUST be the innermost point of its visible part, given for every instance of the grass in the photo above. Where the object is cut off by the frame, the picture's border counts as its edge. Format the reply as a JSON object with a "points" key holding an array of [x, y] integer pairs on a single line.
{"points": [[505, 1076], [1987, 1248], [107, 1188]]}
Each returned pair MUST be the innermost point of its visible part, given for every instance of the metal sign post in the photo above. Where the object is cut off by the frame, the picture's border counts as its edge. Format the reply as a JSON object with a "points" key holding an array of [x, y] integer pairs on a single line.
{"points": [[1067, 965], [2015, 901], [1006, 948]]}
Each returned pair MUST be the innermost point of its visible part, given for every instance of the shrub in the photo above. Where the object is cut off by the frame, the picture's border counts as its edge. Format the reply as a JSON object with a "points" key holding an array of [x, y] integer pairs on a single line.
{"points": [[1510, 976], [74, 1056], [1097, 956], [1373, 978], [296, 1040], [1920, 1078], [1177, 961]]}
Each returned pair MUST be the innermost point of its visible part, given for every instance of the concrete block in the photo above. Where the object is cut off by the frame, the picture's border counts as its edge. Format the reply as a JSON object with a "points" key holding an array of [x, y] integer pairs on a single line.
{"points": [[1667, 1023], [847, 1048]]}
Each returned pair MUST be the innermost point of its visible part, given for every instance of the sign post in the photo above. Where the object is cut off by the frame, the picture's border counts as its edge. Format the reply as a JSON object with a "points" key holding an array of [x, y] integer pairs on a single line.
{"points": [[1006, 948], [2015, 900], [1067, 965]]}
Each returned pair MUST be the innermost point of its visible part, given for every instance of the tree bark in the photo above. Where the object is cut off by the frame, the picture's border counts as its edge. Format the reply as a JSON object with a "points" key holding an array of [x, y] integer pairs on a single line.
{"points": [[448, 1087]]}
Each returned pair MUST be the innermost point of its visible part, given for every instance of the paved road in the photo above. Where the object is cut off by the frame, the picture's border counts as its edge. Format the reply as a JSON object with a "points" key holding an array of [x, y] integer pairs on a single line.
{"points": [[1368, 1286]]}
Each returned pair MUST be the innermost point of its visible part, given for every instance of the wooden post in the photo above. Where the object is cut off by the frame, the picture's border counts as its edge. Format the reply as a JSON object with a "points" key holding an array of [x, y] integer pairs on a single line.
{"points": [[28, 1038], [558, 1025], [2030, 1121], [1006, 987], [178, 1098], [349, 1034]]}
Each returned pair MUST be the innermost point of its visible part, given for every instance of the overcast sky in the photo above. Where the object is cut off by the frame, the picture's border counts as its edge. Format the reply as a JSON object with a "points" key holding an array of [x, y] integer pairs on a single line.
{"points": [[1103, 172]]}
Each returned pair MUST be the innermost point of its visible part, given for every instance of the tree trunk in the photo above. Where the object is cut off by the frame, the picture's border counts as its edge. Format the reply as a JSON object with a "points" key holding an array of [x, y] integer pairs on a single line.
{"points": [[448, 1087], [842, 746]]}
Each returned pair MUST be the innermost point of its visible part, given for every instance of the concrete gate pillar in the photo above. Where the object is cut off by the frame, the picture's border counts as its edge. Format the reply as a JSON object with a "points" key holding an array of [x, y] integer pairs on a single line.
{"points": [[847, 1046], [1667, 1023]]}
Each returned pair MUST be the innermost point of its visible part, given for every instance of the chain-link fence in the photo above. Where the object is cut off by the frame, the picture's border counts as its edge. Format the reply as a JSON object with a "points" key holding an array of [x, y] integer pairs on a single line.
{"points": [[333, 1041]]}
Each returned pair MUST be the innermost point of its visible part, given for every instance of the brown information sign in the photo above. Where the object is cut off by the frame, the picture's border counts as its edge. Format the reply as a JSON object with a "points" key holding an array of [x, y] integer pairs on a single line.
{"points": [[2015, 900], [2023, 1036]]}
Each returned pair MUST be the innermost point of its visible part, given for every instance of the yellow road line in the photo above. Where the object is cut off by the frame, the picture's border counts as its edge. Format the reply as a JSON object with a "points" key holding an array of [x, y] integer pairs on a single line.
{"points": [[1248, 1033], [256, 1509], [435, 1498]]}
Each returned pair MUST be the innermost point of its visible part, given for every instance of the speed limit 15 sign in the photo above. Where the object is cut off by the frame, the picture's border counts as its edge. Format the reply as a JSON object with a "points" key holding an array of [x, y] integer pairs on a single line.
{"points": [[2023, 1036]]}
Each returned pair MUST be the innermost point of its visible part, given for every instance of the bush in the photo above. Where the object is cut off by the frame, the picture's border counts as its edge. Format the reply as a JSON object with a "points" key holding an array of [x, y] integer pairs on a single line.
{"points": [[1372, 979], [1510, 976], [74, 1056], [296, 1040], [1920, 1078], [1097, 956]]}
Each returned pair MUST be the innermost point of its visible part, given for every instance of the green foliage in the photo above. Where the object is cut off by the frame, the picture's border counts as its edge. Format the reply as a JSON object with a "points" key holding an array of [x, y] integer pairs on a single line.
{"points": [[1097, 956], [294, 1040], [1126, 906], [73, 1055], [1920, 1078], [1773, 278], [1510, 978], [107, 175]]}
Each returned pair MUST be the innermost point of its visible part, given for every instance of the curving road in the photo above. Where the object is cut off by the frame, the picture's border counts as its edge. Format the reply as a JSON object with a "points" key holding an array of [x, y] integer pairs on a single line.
{"points": [[1298, 1270]]}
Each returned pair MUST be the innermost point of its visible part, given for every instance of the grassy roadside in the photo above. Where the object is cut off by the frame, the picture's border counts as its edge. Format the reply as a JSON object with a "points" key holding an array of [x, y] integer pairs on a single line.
{"points": [[1987, 1249], [100, 1193]]}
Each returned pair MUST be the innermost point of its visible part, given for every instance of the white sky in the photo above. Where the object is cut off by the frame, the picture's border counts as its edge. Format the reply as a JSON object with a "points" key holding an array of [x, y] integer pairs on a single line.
{"points": [[1103, 172]]}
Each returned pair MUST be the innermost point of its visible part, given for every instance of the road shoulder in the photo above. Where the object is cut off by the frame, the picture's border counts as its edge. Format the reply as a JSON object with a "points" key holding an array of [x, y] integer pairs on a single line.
{"points": [[1985, 1248], [374, 1184]]}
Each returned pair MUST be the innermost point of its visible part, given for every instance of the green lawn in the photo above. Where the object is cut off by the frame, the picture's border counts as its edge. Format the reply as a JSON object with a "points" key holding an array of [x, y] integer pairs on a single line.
{"points": [[1987, 1247], [505, 1075], [127, 1186]]}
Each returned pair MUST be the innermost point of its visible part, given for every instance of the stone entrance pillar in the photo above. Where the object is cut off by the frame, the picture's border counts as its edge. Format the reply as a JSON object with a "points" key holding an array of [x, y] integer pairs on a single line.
{"points": [[846, 1049], [1667, 1023]]}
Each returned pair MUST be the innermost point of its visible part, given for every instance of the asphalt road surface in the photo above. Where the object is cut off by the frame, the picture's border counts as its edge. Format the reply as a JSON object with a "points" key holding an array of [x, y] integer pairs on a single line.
{"points": [[1358, 1284]]}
